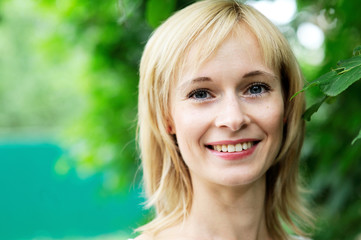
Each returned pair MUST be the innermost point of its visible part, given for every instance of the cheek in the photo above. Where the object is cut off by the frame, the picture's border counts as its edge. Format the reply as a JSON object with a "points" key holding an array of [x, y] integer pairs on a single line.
{"points": [[276, 123], [186, 124], [189, 119], [190, 126], [271, 118]]}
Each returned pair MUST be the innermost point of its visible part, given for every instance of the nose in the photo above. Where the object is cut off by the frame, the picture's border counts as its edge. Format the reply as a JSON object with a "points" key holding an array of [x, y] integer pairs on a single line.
{"points": [[231, 114]]}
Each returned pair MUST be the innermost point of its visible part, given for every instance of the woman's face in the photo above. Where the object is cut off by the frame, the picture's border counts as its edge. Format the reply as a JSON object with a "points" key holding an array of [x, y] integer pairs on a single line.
{"points": [[228, 115]]}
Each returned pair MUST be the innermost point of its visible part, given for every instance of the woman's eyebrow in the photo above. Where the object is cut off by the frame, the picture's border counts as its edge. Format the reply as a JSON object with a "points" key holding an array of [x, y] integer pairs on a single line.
{"points": [[194, 81], [259, 73], [208, 79]]}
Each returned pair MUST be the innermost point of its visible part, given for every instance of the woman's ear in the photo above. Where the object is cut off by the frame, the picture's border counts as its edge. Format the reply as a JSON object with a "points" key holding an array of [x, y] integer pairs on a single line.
{"points": [[170, 127], [170, 130]]}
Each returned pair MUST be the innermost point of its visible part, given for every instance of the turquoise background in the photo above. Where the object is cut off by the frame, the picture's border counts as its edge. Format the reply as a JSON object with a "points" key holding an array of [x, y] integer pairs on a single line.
{"points": [[35, 202]]}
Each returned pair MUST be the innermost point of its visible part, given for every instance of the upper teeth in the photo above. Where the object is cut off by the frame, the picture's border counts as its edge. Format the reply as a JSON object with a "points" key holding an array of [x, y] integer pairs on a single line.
{"points": [[233, 148]]}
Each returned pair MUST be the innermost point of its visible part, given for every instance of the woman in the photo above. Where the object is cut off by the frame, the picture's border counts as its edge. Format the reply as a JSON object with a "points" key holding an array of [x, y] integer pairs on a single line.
{"points": [[219, 138]]}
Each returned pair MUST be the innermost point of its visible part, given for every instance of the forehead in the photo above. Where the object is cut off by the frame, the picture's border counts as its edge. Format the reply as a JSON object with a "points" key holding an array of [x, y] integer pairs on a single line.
{"points": [[240, 46]]}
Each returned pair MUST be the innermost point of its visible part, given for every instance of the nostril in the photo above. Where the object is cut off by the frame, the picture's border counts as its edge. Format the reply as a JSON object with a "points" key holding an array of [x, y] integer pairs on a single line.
{"points": [[233, 118]]}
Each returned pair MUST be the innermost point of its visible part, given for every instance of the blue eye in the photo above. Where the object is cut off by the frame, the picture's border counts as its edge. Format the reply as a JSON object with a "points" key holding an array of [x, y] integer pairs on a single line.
{"points": [[258, 89], [199, 94]]}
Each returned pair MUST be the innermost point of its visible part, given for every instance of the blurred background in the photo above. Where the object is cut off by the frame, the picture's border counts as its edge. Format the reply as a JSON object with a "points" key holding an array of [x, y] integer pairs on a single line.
{"points": [[68, 97]]}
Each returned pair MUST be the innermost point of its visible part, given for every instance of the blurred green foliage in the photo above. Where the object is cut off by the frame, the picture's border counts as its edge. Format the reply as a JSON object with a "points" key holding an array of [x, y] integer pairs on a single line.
{"points": [[158, 10], [113, 33], [31, 44], [80, 58], [334, 82], [332, 164]]}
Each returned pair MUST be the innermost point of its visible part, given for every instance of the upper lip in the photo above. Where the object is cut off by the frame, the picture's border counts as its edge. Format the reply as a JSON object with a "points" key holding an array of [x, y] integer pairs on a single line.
{"points": [[234, 142]]}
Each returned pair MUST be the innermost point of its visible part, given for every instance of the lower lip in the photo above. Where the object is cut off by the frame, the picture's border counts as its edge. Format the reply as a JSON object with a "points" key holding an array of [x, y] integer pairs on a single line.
{"points": [[234, 155]]}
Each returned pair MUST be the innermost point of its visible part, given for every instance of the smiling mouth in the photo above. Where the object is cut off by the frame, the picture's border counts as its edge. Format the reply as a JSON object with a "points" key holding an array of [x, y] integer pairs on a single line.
{"points": [[239, 147]]}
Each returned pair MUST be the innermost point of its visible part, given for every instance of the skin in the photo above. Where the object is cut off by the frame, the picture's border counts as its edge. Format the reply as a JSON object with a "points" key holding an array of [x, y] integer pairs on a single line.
{"points": [[232, 97]]}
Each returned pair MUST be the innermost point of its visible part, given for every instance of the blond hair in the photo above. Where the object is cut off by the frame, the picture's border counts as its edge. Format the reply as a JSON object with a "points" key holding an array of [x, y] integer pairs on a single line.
{"points": [[166, 178]]}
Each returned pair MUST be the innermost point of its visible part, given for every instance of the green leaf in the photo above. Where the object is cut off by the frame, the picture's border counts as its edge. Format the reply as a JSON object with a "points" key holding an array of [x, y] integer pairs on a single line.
{"points": [[159, 10], [330, 100], [314, 108], [304, 89], [356, 138], [338, 80], [357, 51]]}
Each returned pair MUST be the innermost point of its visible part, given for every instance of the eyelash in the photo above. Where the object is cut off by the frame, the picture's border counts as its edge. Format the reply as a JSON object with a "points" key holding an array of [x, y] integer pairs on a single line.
{"points": [[192, 93], [265, 88]]}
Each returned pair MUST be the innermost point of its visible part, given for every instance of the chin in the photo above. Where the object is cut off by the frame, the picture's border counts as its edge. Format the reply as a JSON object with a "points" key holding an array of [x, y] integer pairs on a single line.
{"points": [[239, 180]]}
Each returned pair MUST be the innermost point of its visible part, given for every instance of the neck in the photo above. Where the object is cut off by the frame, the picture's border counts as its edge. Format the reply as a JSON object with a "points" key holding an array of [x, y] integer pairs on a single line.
{"points": [[233, 213]]}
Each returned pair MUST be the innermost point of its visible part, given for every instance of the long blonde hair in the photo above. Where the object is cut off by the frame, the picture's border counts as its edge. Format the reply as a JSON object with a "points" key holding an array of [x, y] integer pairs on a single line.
{"points": [[166, 178]]}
